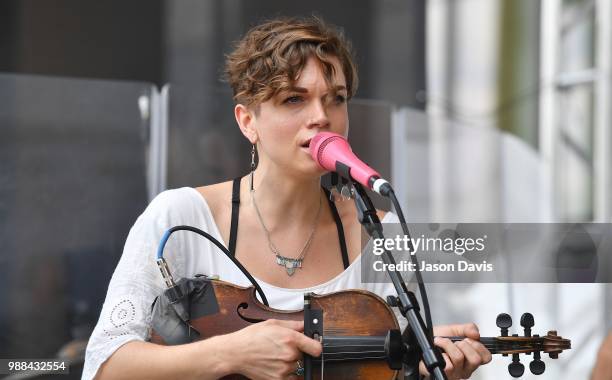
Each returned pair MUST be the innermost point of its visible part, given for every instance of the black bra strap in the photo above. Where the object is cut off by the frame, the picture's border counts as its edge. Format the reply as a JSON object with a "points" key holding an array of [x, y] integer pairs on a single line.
{"points": [[332, 206], [235, 216]]}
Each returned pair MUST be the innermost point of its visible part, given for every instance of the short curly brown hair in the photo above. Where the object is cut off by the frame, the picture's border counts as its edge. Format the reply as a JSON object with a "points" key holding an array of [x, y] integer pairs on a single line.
{"points": [[269, 58]]}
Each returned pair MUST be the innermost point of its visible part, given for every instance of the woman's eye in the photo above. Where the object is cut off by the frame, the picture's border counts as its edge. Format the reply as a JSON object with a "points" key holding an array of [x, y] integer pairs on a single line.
{"points": [[340, 99], [293, 100]]}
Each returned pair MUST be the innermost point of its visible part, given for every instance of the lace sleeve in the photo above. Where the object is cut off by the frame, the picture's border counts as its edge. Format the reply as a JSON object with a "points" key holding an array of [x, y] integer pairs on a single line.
{"points": [[126, 313]]}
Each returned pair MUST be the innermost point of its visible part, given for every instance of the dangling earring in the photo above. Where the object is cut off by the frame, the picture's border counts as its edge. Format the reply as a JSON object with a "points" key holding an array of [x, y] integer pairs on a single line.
{"points": [[252, 167]]}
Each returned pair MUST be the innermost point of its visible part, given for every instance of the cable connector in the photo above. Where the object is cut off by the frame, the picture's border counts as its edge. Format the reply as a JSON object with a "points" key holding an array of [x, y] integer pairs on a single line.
{"points": [[174, 292], [165, 272]]}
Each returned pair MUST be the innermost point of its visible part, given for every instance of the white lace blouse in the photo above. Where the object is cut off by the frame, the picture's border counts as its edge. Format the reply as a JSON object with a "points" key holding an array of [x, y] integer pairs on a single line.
{"points": [[126, 313]]}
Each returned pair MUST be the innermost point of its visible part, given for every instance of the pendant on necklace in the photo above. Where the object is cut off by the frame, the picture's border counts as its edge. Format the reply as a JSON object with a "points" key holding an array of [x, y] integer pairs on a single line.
{"points": [[289, 263]]}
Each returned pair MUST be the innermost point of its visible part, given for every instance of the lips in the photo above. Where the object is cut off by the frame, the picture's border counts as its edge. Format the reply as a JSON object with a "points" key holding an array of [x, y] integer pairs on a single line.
{"points": [[306, 144]]}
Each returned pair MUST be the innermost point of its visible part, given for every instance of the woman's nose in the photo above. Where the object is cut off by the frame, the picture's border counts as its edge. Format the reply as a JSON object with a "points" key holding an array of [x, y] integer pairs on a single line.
{"points": [[319, 118]]}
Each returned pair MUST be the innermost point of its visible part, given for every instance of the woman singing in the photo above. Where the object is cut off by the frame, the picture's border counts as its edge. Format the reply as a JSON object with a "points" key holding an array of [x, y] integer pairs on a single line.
{"points": [[291, 79]]}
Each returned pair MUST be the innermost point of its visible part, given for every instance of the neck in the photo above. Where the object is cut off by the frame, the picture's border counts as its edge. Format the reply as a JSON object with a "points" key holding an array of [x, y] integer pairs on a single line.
{"points": [[282, 197]]}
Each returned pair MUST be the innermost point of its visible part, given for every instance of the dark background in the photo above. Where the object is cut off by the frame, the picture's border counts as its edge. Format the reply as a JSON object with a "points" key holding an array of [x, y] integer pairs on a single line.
{"points": [[138, 40]]}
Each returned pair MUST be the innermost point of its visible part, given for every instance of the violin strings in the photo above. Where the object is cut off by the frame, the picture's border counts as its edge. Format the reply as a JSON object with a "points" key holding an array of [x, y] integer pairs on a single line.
{"points": [[354, 358], [363, 350], [492, 348], [354, 352], [486, 344]]}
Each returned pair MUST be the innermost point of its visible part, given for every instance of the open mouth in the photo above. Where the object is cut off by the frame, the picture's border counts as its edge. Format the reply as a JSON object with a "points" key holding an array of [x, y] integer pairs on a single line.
{"points": [[306, 144]]}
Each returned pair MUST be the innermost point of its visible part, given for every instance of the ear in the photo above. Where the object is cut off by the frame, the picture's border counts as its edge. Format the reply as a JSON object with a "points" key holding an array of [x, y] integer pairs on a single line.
{"points": [[245, 119]]}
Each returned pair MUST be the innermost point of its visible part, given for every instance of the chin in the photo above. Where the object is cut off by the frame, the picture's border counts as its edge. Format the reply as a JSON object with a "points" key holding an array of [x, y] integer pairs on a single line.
{"points": [[311, 171], [303, 166]]}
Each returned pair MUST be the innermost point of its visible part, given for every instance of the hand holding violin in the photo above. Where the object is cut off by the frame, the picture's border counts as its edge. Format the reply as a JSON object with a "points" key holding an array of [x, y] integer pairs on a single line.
{"points": [[270, 349], [463, 357]]}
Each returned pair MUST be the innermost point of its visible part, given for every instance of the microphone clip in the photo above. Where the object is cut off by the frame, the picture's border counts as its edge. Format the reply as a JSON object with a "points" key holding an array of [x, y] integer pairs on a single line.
{"points": [[366, 212], [344, 189]]}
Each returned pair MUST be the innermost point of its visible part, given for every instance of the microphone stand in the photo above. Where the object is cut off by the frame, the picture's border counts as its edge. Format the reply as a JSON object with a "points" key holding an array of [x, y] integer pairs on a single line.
{"points": [[406, 300]]}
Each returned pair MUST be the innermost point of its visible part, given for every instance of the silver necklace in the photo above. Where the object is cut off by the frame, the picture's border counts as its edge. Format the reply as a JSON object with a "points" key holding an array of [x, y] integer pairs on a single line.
{"points": [[289, 263]]}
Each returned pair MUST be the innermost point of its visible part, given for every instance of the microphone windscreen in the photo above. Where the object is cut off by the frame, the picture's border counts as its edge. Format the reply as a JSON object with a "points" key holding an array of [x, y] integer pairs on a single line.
{"points": [[328, 149], [320, 154]]}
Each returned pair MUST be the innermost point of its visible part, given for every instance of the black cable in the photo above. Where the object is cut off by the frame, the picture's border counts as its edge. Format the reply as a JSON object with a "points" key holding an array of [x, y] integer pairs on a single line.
{"points": [[413, 259], [220, 246]]}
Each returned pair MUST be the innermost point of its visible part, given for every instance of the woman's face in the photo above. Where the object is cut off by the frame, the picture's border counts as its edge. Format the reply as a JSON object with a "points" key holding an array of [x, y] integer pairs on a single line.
{"points": [[285, 124]]}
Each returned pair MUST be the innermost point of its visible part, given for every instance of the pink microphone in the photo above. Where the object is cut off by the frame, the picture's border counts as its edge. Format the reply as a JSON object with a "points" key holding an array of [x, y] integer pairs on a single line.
{"points": [[332, 152]]}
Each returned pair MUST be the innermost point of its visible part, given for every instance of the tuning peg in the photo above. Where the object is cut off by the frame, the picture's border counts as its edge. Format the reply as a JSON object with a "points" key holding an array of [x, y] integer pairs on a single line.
{"points": [[503, 321], [527, 322], [553, 355], [537, 366], [516, 368]]}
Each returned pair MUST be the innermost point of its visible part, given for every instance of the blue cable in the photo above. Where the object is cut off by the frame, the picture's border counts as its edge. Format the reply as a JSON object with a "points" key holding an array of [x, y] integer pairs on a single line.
{"points": [[166, 272], [162, 244]]}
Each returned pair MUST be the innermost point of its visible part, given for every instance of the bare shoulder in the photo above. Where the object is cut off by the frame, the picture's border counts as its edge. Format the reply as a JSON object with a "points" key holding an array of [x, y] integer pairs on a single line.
{"points": [[216, 195]]}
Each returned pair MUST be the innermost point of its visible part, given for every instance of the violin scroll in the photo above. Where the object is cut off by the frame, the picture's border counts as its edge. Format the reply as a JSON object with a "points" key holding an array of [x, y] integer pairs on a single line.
{"points": [[551, 344]]}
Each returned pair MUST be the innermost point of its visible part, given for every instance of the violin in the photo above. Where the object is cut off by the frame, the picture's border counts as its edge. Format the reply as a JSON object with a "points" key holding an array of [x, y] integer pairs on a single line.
{"points": [[360, 347]]}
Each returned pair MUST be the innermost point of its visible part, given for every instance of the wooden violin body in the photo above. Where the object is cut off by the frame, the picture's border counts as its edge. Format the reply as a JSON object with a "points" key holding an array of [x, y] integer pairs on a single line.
{"points": [[350, 314], [356, 324]]}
